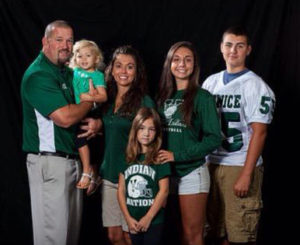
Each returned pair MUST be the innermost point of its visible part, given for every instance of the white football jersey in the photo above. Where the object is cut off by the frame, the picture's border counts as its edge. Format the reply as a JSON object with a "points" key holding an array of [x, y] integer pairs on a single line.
{"points": [[240, 102]]}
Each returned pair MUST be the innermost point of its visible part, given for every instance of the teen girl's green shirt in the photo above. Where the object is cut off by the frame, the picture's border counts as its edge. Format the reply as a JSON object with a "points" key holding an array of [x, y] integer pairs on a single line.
{"points": [[142, 186], [116, 132], [190, 144]]}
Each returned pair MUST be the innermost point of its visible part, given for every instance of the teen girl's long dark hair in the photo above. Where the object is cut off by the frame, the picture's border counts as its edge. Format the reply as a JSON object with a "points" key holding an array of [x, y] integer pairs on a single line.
{"points": [[167, 84]]}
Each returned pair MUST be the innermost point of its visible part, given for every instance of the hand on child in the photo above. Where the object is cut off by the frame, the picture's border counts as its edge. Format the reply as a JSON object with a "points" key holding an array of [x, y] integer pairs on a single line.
{"points": [[165, 156], [91, 127]]}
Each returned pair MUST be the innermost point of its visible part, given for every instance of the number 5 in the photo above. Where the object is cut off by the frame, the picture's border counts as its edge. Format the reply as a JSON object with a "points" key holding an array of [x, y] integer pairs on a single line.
{"points": [[265, 104], [236, 134]]}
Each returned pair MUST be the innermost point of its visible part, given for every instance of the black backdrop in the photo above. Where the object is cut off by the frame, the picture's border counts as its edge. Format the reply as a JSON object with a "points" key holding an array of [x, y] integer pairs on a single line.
{"points": [[151, 27]]}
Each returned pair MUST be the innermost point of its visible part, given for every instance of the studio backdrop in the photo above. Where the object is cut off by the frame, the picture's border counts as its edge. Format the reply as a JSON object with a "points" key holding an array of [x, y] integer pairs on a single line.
{"points": [[152, 27]]}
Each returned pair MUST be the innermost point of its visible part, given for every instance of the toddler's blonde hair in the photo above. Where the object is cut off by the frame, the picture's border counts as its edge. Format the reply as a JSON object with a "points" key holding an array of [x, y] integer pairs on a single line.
{"points": [[94, 48]]}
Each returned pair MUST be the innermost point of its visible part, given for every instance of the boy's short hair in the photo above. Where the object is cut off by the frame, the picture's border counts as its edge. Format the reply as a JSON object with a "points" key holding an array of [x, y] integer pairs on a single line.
{"points": [[238, 31]]}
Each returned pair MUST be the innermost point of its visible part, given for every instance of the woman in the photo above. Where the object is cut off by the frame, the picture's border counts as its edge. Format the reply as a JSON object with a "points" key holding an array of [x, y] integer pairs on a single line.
{"points": [[126, 87], [192, 131]]}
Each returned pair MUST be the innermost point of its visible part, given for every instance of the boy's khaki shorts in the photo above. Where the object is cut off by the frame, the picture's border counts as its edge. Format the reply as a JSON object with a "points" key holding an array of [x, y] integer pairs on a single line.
{"points": [[229, 215]]}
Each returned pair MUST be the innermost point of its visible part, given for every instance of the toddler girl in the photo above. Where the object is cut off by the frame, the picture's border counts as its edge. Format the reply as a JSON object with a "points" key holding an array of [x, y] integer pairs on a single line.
{"points": [[87, 58]]}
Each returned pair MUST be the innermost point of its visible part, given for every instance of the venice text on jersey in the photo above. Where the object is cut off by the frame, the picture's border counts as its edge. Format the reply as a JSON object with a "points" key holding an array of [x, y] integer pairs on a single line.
{"points": [[228, 100]]}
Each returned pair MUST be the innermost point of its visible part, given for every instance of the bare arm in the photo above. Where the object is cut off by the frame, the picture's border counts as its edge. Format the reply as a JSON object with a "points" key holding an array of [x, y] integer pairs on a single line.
{"points": [[70, 114], [132, 223], [158, 203], [100, 97], [256, 146]]}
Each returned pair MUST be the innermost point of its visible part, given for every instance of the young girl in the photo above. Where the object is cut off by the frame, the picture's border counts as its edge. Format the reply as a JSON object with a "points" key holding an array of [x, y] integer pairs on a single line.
{"points": [[192, 131], [143, 185], [87, 58]]}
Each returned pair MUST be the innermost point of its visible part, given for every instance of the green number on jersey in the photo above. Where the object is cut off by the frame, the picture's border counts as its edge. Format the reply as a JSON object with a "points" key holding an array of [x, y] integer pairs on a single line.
{"points": [[265, 104], [236, 134]]}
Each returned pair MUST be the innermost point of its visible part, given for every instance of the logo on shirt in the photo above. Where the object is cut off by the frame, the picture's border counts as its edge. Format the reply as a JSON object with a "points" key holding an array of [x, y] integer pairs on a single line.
{"points": [[170, 107], [64, 86], [82, 75], [137, 187]]}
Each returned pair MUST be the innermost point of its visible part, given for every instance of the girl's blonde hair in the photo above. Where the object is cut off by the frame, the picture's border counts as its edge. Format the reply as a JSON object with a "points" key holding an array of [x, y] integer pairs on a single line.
{"points": [[134, 147], [94, 48]]}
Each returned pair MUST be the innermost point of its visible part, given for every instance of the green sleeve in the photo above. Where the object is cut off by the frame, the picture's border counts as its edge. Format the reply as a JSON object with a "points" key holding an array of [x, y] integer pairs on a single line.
{"points": [[164, 170], [98, 79], [210, 126], [123, 167], [44, 93]]}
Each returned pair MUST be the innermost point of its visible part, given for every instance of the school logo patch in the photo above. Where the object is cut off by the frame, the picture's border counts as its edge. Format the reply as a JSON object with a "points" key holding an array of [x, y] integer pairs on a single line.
{"points": [[137, 187], [170, 107]]}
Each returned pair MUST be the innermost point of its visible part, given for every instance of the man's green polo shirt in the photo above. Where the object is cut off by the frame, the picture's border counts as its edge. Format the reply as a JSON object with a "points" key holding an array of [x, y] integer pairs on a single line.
{"points": [[45, 88]]}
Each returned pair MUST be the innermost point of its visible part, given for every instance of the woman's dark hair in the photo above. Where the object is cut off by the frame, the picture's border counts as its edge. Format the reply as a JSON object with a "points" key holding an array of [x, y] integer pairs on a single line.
{"points": [[133, 97], [167, 84]]}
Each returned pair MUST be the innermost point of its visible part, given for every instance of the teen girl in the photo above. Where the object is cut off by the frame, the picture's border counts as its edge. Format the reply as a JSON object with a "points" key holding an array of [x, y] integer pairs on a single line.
{"points": [[144, 183], [192, 130]]}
